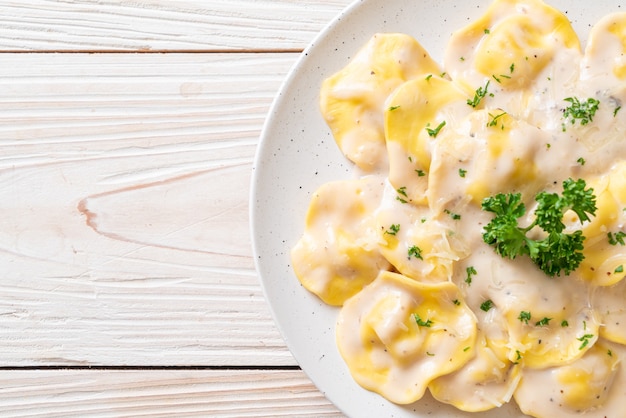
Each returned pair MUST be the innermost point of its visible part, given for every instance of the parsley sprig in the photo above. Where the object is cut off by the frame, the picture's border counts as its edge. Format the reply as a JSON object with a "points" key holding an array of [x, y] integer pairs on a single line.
{"points": [[558, 251]]}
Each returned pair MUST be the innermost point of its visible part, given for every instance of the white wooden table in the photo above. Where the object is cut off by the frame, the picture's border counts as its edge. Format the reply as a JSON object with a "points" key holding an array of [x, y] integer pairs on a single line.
{"points": [[127, 134]]}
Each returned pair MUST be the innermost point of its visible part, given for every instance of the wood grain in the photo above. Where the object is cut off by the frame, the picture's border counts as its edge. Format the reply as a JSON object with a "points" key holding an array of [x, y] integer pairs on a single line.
{"points": [[162, 25], [159, 393], [124, 183]]}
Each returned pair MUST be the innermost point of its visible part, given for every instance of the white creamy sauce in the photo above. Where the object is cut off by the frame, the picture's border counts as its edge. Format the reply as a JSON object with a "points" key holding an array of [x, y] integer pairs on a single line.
{"points": [[427, 304]]}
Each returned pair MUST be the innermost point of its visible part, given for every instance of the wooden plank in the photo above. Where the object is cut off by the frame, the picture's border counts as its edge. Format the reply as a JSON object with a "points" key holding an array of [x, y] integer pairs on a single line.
{"points": [[162, 25], [161, 393], [124, 183]]}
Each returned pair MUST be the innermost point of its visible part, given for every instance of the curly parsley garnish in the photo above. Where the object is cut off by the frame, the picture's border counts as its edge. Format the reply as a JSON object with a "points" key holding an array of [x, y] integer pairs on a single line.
{"points": [[558, 251]]}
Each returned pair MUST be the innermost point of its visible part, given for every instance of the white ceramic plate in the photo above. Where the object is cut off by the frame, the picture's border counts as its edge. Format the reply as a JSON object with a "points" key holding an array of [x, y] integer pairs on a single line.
{"points": [[297, 154]]}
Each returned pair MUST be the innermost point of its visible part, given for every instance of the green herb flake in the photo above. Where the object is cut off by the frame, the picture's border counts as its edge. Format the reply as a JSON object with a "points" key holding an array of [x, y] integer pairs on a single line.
{"points": [[486, 305], [453, 215], [435, 132], [392, 108], [512, 67], [619, 269], [617, 238], [428, 323], [415, 251], [617, 109], [470, 271], [583, 112], [494, 119], [480, 93], [564, 323], [428, 77], [456, 302], [420, 173], [581, 161], [393, 229], [487, 31], [462, 172], [584, 340], [524, 316], [543, 322]]}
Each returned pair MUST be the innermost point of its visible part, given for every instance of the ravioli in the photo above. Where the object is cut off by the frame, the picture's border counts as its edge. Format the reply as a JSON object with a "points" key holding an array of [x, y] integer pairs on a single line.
{"points": [[588, 387], [353, 100], [487, 381], [398, 334], [338, 253]]}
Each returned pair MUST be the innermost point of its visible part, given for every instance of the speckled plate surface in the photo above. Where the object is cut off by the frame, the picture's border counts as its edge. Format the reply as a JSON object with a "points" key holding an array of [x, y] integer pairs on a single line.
{"points": [[297, 154]]}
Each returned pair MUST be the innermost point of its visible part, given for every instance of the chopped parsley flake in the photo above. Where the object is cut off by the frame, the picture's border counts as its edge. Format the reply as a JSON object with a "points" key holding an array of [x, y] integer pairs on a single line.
{"points": [[617, 109], [619, 269], [456, 302], [416, 252], [585, 340], [543, 322], [524, 316], [435, 132], [462, 172], [428, 323], [486, 305], [581, 161], [564, 323], [480, 93], [494, 119], [454, 216], [471, 271], [392, 108], [393, 229], [617, 238], [583, 112], [428, 77], [420, 173]]}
